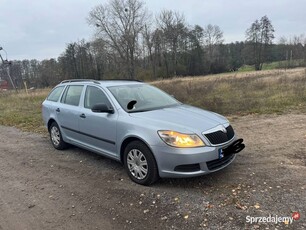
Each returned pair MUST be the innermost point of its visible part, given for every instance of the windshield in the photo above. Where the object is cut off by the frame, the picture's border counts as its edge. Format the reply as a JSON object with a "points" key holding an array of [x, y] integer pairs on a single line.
{"points": [[141, 97]]}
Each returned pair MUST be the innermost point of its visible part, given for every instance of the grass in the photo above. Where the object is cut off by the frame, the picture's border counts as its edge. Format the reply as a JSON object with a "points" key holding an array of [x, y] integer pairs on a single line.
{"points": [[274, 65], [259, 92], [265, 66], [263, 92], [22, 110]]}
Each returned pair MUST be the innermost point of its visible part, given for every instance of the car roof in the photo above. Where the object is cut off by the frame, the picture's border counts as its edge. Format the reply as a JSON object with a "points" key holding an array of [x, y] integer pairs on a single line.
{"points": [[105, 83]]}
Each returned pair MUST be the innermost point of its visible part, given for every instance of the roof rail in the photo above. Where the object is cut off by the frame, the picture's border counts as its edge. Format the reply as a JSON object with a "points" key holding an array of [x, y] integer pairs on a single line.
{"points": [[96, 81], [122, 79], [80, 80]]}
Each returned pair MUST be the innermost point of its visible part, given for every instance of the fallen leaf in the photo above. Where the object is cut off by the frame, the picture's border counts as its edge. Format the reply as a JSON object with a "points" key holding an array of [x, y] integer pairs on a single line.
{"points": [[146, 211], [239, 206]]}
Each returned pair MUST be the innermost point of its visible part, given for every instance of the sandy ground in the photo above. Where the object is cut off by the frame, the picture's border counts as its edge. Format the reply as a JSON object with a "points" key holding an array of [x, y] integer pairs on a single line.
{"points": [[42, 188]]}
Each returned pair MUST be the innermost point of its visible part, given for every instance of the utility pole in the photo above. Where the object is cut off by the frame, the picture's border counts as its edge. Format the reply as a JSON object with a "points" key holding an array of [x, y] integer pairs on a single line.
{"points": [[7, 64]]}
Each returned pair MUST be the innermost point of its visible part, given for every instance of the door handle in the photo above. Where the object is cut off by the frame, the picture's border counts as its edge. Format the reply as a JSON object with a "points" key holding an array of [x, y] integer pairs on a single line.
{"points": [[58, 110], [83, 115]]}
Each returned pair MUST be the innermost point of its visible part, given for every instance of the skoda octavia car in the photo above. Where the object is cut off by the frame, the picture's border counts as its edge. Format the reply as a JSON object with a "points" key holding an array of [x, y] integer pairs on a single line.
{"points": [[149, 131]]}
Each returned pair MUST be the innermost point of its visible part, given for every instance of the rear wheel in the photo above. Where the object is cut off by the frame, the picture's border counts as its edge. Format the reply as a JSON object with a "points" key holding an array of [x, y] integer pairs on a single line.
{"points": [[140, 163], [56, 137]]}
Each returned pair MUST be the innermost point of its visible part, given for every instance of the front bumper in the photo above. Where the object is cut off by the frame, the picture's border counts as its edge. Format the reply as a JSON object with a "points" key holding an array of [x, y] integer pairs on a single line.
{"points": [[189, 162]]}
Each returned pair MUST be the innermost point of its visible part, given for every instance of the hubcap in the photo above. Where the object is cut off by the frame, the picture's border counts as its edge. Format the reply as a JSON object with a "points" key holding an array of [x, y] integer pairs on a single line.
{"points": [[137, 164], [55, 136]]}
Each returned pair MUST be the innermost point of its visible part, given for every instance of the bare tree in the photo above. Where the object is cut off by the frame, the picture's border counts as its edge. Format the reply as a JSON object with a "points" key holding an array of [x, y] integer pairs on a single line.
{"points": [[213, 36], [148, 36], [283, 40], [173, 26], [299, 49], [196, 51], [260, 35], [120, 23]]}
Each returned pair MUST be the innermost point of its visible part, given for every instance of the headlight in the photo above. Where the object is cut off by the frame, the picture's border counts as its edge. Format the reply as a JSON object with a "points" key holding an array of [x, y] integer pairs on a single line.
{"points": [[180, 140]]}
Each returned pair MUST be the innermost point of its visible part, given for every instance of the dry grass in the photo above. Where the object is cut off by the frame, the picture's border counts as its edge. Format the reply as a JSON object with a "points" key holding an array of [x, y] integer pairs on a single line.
{"points": [[273, 91], [22, 110]]}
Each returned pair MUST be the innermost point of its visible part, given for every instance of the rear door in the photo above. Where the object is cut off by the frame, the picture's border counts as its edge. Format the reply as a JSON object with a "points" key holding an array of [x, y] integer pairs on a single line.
{"points": [[68, 112], [98, 129]]}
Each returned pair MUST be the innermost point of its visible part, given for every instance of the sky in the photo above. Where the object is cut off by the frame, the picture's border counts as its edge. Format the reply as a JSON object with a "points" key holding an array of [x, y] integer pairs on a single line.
{"points": [[41, 29]]}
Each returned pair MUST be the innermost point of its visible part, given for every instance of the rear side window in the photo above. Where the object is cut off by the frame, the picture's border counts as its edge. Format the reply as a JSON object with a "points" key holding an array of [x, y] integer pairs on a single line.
{"points": [[72, 95], [95, 96], [55, 94]]}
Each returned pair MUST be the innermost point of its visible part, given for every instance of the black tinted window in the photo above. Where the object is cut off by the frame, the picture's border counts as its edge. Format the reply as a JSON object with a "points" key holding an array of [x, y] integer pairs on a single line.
{"points": [[72, 95], [55, 94], [95, 96]]}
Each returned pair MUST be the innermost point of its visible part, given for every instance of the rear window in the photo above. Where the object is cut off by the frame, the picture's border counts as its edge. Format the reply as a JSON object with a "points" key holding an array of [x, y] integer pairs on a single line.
{"points": [[55, 94]]}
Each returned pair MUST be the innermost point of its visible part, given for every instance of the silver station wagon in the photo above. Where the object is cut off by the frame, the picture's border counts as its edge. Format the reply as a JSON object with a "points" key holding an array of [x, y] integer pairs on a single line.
{"points": [[149, 131]]}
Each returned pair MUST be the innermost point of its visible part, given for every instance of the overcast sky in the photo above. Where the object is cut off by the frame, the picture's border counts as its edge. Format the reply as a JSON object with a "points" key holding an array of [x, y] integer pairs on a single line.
{"points": [[40, 29]]}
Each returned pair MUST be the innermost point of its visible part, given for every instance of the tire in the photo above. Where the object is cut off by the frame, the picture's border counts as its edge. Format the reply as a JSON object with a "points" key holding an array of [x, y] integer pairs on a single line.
{"points": [[140, 163], [56, 137]]}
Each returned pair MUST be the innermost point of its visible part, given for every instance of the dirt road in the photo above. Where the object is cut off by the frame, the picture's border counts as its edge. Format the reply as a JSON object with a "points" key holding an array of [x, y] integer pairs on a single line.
{"points": [[42, 188]]}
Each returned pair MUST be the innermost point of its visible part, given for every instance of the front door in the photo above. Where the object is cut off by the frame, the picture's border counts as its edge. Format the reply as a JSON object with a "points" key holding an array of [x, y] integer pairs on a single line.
{"points": [[98, 129]]}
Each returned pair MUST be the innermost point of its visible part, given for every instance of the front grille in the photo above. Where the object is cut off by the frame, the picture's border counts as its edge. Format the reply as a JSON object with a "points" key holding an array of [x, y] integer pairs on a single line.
{"points": [[216, 164], [220, 137]]}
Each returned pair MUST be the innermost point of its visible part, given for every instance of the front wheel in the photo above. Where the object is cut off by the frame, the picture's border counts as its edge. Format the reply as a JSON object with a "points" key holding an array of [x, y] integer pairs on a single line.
{"points": [[56, 137], [140, 163]]}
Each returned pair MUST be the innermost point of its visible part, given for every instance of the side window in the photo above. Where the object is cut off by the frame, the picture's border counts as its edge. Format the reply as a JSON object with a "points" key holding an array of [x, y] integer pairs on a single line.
{"points": [[72, 95], [95, 96], [55, 94]]}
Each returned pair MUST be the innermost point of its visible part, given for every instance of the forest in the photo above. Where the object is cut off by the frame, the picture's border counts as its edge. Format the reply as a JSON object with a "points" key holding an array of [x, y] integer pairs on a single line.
{"points": [[132, 43]]}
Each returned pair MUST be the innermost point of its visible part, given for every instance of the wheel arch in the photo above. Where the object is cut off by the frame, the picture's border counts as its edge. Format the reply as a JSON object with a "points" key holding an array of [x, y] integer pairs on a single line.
{"points": [[50, 122], [128, 140]]}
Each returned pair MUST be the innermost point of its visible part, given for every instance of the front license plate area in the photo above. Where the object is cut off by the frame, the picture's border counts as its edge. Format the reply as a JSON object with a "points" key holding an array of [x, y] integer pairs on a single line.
{"points": [[221, 153]]}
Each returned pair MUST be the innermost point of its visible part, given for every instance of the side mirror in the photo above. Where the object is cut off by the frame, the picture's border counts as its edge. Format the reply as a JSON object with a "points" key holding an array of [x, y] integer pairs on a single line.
{"points": [[102, 108]]}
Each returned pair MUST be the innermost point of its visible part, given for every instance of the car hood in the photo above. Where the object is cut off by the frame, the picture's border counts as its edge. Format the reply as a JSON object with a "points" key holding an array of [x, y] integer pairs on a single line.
{"points": [[182, 118]]}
